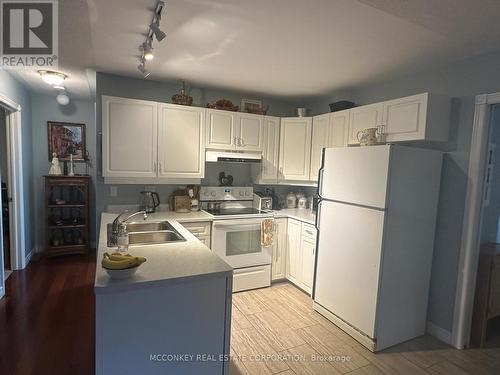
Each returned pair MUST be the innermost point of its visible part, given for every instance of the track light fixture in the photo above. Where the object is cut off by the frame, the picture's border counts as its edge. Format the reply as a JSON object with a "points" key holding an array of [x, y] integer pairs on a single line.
{"points": [[142, 69], [158, 33], [146, 48]]}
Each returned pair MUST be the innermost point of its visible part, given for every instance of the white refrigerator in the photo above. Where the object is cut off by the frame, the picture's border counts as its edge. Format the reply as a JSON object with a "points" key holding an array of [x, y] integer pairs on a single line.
{"points": [[376, 221]]}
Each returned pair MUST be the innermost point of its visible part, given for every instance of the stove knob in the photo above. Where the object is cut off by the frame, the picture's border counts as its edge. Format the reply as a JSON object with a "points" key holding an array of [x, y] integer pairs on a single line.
{"points": [[240, 193], [247, 193], [212, 194], [205, 193]]}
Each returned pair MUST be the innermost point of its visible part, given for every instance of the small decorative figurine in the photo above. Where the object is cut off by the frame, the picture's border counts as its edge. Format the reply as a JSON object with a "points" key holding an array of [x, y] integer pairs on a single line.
{"points": [[55, 168], [71, 172]]}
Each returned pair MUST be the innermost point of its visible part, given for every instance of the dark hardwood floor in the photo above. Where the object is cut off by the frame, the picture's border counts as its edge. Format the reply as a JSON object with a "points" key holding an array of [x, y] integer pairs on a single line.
{"points": [[47, 318]]}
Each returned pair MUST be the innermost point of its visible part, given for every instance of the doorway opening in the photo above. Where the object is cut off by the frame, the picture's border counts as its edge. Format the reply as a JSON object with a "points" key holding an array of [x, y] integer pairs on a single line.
{"points": [[12, 193], [4, 182]]}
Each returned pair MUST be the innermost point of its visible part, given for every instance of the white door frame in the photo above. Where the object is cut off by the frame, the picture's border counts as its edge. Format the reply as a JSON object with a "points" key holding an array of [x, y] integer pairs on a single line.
{"points": [[471, 227], [16, 189]]}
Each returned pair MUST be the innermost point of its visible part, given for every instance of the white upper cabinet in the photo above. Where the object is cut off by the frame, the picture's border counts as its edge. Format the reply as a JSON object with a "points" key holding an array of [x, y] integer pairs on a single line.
{"points": [[320, 140], [367, 116], [234, 131], [268, 170], [129, 137], [422, 117], [295, 148], [339, 129], [220, 129], [249, 132], [416, 117], [329, 130], [181, 151]]}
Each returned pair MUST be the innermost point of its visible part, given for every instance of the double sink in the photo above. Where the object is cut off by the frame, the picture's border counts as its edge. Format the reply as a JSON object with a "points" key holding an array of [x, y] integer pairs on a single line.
{"points": [[147, 233]]}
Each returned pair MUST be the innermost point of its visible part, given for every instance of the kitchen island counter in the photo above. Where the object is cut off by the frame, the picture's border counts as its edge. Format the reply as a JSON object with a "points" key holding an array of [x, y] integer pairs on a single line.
{"points": [[177, 305]]}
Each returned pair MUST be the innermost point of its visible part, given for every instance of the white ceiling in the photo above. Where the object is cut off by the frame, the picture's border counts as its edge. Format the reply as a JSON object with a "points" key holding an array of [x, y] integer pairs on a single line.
{"points": [[290, 48]]}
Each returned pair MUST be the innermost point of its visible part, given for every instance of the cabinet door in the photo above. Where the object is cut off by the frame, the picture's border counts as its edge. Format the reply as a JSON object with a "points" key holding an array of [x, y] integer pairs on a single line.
{"points": [[339, 129], [320, 138], [368, 116], [278, 269], [129, 137], [181, 150], [220, 129], [404, 119], [295, 148], [293, 264], [270, 154], [249, 132], [307, 251]]}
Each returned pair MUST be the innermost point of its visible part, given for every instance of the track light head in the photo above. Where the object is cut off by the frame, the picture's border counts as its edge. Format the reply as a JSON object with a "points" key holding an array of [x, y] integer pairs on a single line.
{"points": [[155, 27], [147, 51], [143, 70]]}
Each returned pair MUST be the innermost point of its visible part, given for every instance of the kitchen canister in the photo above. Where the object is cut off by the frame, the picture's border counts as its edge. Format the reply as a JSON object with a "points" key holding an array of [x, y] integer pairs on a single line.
{"points": [[291, 200], [367, 137], [302, 203]]}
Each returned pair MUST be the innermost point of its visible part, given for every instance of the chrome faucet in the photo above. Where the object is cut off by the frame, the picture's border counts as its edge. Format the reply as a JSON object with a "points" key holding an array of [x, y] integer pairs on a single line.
{"points": [[118, 222]]}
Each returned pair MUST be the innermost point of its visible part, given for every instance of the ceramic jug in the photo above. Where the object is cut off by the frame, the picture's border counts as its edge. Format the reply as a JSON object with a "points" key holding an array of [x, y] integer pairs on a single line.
{"points": [[367, 137]]}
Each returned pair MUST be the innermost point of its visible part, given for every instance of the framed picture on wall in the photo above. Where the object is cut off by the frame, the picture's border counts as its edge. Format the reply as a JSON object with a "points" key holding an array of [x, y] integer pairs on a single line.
{"points": [[65, 139]]}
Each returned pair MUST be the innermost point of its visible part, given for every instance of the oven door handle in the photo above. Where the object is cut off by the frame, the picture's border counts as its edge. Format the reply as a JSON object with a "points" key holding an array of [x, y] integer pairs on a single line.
{"points": [[236, 223]]}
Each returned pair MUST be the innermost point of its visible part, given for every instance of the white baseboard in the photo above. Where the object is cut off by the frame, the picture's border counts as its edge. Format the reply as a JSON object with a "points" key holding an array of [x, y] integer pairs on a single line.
{"points": [[439, 333], [29, 256]]}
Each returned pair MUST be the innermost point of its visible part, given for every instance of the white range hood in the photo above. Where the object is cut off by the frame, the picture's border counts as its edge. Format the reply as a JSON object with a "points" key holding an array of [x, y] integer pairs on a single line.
{"points": [[235, 157]]}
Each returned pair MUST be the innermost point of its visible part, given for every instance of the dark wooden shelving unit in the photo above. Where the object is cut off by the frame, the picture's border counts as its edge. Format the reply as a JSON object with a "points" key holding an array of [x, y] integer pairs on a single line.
{"points": [[67, 214]]}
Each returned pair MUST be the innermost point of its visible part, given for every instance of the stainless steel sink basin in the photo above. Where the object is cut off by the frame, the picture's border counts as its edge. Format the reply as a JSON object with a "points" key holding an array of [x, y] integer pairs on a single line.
{"points": [[147, 238], [148, 226], [147, 233]]}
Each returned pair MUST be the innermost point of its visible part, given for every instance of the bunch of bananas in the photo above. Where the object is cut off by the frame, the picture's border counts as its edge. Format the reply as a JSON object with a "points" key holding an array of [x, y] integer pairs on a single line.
{"points": [[117, 261]]}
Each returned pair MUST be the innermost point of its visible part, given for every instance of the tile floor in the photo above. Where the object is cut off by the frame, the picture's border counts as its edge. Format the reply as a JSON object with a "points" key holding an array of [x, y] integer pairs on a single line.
{"points": [[276, 331]]}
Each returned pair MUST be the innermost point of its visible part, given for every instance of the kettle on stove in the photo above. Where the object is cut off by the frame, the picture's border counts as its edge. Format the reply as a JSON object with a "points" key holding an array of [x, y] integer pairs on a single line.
{"points": [[149, 201]]}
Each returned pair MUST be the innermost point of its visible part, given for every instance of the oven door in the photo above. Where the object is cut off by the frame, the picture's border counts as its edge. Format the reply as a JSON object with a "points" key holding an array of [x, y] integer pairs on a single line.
{"points": [[238, 242]]}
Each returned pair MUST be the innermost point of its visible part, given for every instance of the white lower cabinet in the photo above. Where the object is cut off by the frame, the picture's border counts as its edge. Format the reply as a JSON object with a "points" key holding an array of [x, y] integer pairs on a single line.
{"points": [[201, 230], [278, 267], [300, 254]]}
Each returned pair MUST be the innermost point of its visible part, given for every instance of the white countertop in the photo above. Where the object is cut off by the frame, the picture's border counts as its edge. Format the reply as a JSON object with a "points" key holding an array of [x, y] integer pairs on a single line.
{"points": [[304, 214], [165, 262]]}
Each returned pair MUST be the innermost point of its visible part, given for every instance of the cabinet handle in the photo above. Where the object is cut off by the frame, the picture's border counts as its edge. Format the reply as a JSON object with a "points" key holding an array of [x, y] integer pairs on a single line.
{"points": [[154, 167], [309, 232], [160, 167], [242, 143]]}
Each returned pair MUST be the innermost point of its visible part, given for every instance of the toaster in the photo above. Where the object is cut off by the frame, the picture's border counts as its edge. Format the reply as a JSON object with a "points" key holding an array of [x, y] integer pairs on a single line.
{"points": [[262, 203]]}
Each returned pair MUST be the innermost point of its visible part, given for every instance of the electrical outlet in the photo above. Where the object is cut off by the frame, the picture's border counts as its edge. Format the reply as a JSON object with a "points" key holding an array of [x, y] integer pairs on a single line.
{"points": [[150, 188], [113, 191]]}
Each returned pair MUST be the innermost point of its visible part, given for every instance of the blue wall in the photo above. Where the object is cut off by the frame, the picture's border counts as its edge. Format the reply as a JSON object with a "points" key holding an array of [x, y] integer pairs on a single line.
{"points": [[15, 91], [461, 82], [45, 108]]}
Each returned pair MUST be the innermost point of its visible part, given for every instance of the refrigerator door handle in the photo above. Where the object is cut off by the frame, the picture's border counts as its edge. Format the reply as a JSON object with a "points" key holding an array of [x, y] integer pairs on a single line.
{"points": [[318, 213], [320, 173]]}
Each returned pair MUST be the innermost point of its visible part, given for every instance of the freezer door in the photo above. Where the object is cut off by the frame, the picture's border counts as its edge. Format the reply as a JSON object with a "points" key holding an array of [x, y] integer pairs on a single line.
{"points": [[356, 175], [348, 263]]}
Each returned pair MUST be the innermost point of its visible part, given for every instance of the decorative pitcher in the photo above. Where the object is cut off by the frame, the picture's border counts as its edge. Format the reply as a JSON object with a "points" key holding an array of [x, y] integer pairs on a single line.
{"points": [[367, 137]]}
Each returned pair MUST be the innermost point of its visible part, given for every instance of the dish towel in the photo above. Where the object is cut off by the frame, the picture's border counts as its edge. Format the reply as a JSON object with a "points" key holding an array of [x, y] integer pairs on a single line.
{"points": [[266, 232]]}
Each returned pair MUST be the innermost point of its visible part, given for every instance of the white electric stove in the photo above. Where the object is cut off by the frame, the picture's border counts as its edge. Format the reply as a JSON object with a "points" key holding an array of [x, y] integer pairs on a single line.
{"points": [[236, 234]]}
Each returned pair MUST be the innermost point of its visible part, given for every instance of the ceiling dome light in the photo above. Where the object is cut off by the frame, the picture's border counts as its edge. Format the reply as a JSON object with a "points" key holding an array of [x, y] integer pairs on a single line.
{"points": [[52, 78], [148, 51], [62, 99]]}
